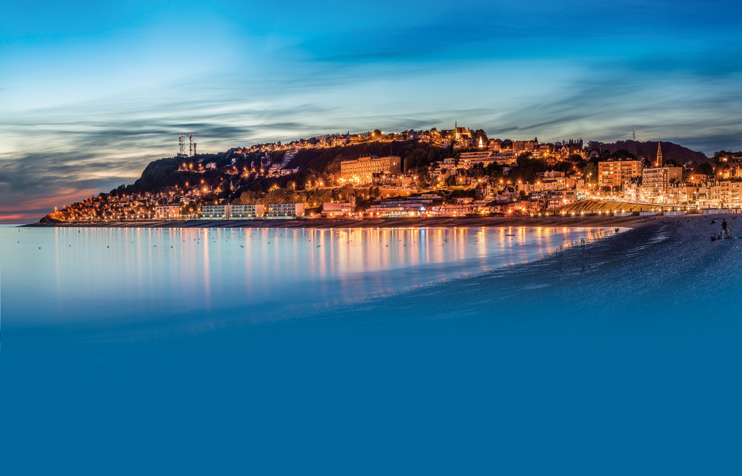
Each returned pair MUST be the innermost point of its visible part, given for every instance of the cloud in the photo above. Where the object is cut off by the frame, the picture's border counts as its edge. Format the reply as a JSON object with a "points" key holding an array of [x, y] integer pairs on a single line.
{"points": [[519, 70]]}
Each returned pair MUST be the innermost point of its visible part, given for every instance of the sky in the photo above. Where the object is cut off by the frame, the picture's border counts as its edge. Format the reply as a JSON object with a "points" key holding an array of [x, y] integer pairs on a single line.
{"points": [[92, 91]]}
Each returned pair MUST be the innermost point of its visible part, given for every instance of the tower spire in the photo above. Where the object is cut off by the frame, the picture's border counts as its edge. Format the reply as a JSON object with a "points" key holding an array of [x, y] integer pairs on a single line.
{"points": [[659, 161]]}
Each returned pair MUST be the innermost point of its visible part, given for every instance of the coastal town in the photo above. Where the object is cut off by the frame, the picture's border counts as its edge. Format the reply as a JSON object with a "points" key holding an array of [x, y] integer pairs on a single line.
{"points": [[426, 173]]}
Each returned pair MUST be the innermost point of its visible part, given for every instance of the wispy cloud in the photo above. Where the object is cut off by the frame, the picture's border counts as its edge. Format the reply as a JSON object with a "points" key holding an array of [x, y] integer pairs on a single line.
{"points": [[118, 87]]}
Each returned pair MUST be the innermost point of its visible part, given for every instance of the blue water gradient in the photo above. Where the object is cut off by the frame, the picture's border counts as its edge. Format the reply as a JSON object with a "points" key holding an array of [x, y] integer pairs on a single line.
{"points": [[596, 360], [193, 280]]}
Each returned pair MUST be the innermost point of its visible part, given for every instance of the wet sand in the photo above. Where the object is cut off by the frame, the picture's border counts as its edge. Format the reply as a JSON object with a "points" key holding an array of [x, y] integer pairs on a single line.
{"points": [[656, 274]]}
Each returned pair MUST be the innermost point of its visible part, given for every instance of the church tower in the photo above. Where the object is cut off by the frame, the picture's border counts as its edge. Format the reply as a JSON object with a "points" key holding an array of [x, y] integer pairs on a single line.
{"points": [[658, 162]]}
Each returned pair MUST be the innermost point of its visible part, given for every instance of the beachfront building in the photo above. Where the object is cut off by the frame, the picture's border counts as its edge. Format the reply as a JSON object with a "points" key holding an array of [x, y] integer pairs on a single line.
{"points": [[656, 182], [285, 210], [735, 195], [403, 206], [684, 193], [215, 212], [460, 209], [362, 171], [247, 212], [333, 210], [613, 173], [559, 198], [725, 194], [167, 212], [630, 190]]}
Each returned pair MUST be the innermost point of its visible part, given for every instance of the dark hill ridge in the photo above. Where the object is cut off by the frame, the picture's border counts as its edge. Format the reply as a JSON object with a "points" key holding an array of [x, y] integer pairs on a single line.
{"points": [[310, 162], [648, 150], [315, 162]]}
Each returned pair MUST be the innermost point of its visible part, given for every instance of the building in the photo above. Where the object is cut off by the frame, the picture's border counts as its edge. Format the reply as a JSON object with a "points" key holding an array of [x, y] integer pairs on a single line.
{"points": [[505, 158], [289, 155], [469, 159], [403, 206], [614, 173], [656, 182], [285, 210], [734, 199], [333, 210], [461, 133], [726, 194], [459, 209], [363, 169], [684, 193], [525, 145], [167, 212], [215, 212], [243, 212]]}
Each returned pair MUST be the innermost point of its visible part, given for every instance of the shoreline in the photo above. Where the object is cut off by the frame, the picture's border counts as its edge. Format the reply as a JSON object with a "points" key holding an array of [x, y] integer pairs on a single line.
{"points": [[654, 277], [551, 221]]}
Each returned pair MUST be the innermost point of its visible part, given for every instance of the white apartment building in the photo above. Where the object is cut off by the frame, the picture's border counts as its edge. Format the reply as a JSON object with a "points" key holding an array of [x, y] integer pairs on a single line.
{"points": [[285, 210], [215, 212], [243, 212]]}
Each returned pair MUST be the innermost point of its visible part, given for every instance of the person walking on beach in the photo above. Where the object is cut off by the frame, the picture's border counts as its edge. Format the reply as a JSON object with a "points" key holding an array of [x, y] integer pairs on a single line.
{"points": [[724, 229]]}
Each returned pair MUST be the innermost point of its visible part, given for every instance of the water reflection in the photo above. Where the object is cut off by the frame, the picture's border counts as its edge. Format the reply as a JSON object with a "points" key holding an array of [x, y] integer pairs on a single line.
{"points": [[227, 276]]}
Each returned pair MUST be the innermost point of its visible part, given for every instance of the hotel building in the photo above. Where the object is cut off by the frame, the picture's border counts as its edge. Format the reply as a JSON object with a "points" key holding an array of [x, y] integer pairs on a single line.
{"points": [[656, 182], [363, 169], [615, 172]]}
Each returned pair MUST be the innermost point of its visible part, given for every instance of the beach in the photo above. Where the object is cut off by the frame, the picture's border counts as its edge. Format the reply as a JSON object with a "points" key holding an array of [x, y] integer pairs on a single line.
{"points": [[654, 272]]}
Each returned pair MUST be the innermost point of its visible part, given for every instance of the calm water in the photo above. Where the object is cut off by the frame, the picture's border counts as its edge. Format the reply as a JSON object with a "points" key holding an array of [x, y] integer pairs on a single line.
{"points": [[327, 352], [191, 280]]}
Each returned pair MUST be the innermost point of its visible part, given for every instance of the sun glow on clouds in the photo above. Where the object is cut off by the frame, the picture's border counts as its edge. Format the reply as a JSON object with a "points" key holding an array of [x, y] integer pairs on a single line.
{"points": [[90, 97]]}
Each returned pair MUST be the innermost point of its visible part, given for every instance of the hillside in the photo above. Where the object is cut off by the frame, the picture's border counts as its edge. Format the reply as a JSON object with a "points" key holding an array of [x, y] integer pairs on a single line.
{"points": [[312, 164], [648, 150], [413, 154]]}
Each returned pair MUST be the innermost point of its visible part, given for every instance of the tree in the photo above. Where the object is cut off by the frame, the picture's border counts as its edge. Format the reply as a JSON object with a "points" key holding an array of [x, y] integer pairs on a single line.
{"points": [[704, 169], [623, 154], [575, 158], [591, 172], [479, 133]]}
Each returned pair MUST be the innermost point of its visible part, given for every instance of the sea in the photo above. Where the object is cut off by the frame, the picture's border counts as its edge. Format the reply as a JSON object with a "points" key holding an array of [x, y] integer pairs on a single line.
{"points": [[358, 351]]}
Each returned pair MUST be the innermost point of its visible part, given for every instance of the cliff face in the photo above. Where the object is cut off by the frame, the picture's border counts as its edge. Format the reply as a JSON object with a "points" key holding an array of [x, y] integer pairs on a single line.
{"points": [[648, 150]]}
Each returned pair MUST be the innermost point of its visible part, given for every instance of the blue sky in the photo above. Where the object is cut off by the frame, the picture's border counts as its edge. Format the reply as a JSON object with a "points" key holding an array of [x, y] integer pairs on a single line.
{"points": [[90, 92]]}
